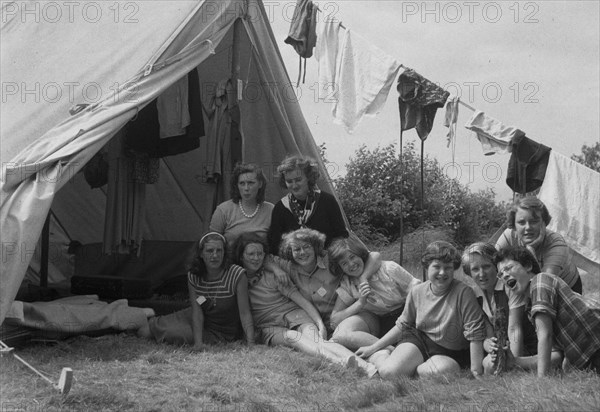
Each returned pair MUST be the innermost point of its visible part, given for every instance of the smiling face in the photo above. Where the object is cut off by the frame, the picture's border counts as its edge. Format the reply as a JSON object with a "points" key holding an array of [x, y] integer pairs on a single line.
{"points": [[440, 274], [248, 185], [253, 257], [528, 225], [304, 255], [515, 276], [483, 272], [296, 183], [352, 265], [212, 255]]}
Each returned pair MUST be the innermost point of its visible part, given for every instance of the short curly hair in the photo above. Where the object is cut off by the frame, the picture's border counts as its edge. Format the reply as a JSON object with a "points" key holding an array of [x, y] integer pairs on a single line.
{"points": [[313, 237], [485, 250], [307, 165], [240, 169], [519, 254], [531, 203], [244, 240], [443, 251]]}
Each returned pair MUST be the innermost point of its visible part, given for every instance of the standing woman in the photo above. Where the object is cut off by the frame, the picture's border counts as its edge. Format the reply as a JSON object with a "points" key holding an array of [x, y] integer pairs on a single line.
{"points": [[305, 206], [527, 220], [247, 210], [218, 293]]}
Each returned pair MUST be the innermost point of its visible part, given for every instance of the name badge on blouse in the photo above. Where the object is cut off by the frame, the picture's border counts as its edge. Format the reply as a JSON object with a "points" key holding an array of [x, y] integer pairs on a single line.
{"points": [[321, 291], [201, 300]]}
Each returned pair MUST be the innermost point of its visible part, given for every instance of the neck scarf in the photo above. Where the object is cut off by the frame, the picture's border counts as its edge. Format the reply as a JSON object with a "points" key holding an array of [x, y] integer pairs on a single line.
{"points": [[302, 212]]}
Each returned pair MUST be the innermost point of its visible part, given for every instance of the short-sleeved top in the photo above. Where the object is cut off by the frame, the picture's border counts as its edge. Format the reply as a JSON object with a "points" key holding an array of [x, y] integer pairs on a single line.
{"points": [[502, 296], [221, 313], [552, 251], [229, 220], [451, 320], [270, 301], [327, 218], [575, 321], [389, 287], [318, 287]]}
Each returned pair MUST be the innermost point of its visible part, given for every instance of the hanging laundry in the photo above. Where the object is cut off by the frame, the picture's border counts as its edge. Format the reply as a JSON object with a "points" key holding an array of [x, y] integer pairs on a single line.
{"points": [[492, 134], [577, 221], [329, 37], [419, 100], [527, 165], [173, 111], [451, 119], [302, 35], [365, 75]]}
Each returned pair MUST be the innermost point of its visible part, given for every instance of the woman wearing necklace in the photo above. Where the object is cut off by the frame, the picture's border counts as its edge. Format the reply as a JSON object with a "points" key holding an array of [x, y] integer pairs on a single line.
{"points": [[305, 206], [218, 293], [247, 210]]}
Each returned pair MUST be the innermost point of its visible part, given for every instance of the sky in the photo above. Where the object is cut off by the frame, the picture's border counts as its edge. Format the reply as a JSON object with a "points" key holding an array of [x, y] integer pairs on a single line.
{"points": [[531, 65]]}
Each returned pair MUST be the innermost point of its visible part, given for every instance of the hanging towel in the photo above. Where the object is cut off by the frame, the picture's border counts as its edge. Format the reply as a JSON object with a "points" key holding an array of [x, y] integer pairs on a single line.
{"points": [[365, 76], [492, 134], [451, 119], [527, 165], [173, 111], [329, 37], [418, 101], [571, 192]]}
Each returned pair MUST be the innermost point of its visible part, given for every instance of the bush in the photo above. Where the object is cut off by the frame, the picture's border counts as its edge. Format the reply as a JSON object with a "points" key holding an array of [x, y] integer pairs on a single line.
{"points": [[378, 190]]}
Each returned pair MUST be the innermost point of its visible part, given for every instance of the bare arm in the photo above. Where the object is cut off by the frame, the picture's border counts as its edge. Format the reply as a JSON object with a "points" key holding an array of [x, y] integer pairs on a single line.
{"points": [[197, 319], [543, 326], [388, 339], [311, 310], [342, 311], [279, 267], [515, 330], [476, 352], [244, 309], [372, 265]]}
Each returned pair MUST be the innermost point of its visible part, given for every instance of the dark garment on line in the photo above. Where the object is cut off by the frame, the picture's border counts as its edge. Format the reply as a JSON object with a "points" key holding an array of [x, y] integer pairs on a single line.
{"points": [[302, 35], [527, 165], [418, 100]]}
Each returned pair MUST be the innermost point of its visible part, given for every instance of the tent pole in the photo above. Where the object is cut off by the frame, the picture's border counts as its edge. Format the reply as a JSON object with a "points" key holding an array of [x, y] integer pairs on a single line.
{"points": [[401, 202], [45, 250], [422, 202]]}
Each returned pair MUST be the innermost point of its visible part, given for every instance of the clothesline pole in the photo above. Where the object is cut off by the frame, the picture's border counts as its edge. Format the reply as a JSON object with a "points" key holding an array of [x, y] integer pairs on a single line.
{"points": [[422, 201], [401, 181]]}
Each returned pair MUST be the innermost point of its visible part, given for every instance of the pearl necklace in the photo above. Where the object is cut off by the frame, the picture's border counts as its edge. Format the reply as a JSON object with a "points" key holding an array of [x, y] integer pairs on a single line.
{"points": [[244, 212]]}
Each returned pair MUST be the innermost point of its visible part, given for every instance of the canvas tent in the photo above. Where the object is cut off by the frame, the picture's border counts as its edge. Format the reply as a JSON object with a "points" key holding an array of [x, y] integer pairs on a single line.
{"points": [[116, 60]]}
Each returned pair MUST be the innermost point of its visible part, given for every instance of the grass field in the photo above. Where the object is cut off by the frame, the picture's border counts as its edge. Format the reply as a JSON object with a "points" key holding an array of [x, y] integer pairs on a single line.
{"points": [[125, 373]]}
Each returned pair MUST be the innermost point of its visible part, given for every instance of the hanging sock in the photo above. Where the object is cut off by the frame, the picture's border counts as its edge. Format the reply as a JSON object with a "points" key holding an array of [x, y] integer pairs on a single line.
{"points": [[527, 165], [492, 134], [418, 101]]}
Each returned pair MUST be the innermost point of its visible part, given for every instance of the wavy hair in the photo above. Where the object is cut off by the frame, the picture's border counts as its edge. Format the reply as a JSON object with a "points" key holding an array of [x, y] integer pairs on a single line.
{"points": [[244, 240], [519, 254], [313, 237], [442, 251], [338, 249], [307, 165], [531, 203], [240, 169]]}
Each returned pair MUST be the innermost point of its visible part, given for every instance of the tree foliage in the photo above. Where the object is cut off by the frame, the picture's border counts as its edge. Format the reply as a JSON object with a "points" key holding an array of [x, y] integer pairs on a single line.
{"points": [[378, 189], [590, 156]]}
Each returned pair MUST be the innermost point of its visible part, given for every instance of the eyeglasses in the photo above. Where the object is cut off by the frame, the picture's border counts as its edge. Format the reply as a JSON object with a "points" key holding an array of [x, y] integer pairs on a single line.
{"points": [[255, 255], [302, 248], [504, 271]]}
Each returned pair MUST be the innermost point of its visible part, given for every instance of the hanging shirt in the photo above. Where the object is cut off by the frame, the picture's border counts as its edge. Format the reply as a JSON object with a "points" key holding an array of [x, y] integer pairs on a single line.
{"points": [[365, 76], [527, 165], [302, 35], [418, 101], [173, 111], [491, 133]]}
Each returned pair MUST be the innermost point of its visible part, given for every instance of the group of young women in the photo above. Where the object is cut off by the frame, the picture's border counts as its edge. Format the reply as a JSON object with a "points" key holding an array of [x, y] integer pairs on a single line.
{"points": [[291, 274]]}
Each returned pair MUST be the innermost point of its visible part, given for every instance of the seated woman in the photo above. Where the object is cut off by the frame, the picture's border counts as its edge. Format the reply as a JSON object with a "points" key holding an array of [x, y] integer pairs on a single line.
{"points": [[282, 314], [503, 309], [441, 329], [247, 210], [363, 312], [527, 220], [560, 314], [305, 206], [218, 293], [302, 256]]}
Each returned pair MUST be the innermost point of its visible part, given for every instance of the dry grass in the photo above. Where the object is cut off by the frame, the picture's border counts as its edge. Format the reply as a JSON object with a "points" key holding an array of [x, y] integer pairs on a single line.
{"points": [[124, 373]]}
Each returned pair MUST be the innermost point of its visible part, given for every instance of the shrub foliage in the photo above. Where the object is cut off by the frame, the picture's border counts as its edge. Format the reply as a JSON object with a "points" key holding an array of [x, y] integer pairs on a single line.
{"points": [[378, 189]]}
